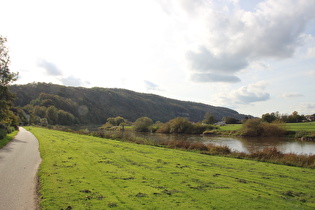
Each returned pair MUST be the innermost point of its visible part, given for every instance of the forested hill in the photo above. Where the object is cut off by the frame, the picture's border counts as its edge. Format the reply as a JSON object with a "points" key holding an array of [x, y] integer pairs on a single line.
{"points": [[95, 105]]}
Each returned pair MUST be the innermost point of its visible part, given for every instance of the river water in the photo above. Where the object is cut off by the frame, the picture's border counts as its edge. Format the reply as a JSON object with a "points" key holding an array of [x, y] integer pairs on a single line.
{"points": [[240, 144]]}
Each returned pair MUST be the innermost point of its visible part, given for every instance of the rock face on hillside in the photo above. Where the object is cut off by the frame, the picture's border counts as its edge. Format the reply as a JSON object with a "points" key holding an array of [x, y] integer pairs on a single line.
{"points": [[95, 105]]}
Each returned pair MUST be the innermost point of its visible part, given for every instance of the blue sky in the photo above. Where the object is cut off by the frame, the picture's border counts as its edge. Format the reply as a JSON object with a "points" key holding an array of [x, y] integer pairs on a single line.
{"points": [[249, 55]]}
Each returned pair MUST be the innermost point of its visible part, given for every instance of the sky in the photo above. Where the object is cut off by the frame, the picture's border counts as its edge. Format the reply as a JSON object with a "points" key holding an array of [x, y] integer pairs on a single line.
{"points": [[253, 56]]}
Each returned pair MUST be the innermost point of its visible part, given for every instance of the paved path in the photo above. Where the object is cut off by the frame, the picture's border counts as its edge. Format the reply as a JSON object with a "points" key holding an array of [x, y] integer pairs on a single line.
{"points": [[19, 161]]}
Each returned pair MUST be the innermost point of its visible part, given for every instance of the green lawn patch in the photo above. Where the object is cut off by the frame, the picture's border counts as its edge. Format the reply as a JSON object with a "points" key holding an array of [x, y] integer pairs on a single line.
{"points": [[305, 126], [231, 127], [85, 172], [7, 139]]}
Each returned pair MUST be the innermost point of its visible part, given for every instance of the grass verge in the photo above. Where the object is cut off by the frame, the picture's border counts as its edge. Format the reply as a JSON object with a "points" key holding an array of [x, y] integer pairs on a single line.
{"points": [[7, 139], [305, 126], [85, 172]]}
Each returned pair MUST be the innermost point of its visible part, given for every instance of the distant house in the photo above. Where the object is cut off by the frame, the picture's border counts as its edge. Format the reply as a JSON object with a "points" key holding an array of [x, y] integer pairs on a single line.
{"points": [[221, 123], [310, 117]]}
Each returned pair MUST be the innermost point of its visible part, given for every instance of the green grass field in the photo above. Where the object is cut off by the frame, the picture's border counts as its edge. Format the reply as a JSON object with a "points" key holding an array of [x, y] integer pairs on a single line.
{"points": [[231, 127], [84, 172], [306, 126]]}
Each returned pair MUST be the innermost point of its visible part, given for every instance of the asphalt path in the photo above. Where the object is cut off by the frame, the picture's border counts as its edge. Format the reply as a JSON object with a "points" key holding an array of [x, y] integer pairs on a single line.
{"points": [[19, 162]]}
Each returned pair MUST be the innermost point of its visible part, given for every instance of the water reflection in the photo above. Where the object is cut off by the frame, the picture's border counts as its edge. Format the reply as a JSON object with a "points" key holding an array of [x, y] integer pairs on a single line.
{"points": [[246, 145]]}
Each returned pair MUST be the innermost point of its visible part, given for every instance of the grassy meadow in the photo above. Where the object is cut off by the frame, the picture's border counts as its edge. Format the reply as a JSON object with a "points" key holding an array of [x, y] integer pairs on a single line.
{"points": [[85, 172], [231, 127], [305, 126]]}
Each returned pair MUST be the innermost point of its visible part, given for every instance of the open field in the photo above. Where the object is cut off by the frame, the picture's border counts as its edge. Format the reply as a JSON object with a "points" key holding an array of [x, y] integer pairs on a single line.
{"points": [[84, 172], [306, 126], [230, 127], [7, 139]]}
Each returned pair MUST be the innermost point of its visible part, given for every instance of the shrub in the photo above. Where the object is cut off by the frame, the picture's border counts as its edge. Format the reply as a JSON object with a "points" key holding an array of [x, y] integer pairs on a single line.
{"points": [[199, 128], [183, 125], [267, 154], [255, 127], [3, 133], [302, 133], [180, 125], [10, 129], [198, 146], [142, 124], [219, 150]]}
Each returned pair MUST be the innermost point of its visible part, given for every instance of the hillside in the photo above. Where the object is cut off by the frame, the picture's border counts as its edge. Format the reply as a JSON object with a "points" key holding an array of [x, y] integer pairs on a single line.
{"points": [[95, 105]]}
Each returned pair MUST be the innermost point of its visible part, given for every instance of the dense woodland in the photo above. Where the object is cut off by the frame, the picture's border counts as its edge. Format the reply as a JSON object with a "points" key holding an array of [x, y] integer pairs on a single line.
{"points": [[56, 104]]}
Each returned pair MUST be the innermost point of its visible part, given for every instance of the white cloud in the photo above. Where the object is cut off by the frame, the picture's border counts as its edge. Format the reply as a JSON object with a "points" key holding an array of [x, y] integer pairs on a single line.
{"points": [[311, 52], [209, 77], [246, 95], [306, 108], [225, 39], [151, 86], [50, 68], [291, 95], [311, 73], [73, 81]]}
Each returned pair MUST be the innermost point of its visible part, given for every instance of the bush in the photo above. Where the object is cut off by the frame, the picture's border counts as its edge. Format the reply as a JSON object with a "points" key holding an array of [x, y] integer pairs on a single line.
{"points": [[10, 129], [302, 133], [142, 124], [199, 128], [3, 133], [218, 150], [255, 127], [183, 125]]}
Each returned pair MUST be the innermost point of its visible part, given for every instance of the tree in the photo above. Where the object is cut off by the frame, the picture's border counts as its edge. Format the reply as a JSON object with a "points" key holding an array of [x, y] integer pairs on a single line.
{"points": [[142, 124], [256, 127], [52, 115], [209, 118], [65, 118], [269, 117], [116, 121], [6, 77], [230, 120]]}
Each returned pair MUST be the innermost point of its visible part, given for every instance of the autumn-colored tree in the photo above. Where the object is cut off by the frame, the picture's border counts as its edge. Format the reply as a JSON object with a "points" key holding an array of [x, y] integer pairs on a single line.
{"points": [[6, 77], [142, 124]]}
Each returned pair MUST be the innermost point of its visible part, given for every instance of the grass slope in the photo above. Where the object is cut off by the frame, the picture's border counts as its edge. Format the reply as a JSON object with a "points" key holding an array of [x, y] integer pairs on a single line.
{"points": [[83, 172]]}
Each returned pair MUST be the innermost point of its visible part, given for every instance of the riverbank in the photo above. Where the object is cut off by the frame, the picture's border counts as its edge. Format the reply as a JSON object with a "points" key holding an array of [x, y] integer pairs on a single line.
{"points": [[96, 173], [175, 141]]}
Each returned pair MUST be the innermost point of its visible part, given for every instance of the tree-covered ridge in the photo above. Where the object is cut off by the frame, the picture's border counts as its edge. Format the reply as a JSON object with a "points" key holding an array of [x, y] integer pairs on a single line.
{"points": [[96, 105]]}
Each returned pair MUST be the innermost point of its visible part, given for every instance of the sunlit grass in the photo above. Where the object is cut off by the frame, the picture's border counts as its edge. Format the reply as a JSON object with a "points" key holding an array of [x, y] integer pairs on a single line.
{"points": [[306, 126], [84, 172], [7, 139], [231, 127]]}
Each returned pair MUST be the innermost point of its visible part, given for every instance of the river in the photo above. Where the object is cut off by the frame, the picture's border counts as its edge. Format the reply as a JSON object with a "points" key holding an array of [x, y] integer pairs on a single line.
{"points": [[240, 144]]}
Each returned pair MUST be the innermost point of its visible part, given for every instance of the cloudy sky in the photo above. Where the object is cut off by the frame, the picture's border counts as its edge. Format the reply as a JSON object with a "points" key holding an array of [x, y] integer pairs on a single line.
{"points": [[254, 56]]}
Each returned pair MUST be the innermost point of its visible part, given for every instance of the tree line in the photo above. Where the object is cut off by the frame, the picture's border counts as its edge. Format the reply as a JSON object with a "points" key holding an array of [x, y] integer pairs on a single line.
{"points": [[295, 117], [176, 125]]}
